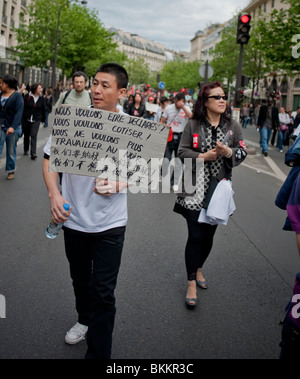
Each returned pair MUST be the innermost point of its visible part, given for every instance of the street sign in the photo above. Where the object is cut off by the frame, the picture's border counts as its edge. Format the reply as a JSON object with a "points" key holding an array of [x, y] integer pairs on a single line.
{"points": [[161, 85], [202, 71]]}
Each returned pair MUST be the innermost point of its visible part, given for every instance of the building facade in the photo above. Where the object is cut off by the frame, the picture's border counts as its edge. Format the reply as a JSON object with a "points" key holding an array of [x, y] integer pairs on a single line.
{"points": [[134, 46], [13, 16], [284, 89]]}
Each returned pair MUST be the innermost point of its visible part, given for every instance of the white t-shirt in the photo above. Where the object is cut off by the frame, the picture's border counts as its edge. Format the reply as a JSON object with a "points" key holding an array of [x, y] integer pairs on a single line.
{"points": [[176, 118], [91, 213]]}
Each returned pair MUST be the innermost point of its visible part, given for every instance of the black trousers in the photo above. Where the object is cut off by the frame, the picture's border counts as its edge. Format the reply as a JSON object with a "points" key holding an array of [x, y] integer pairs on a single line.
{"points": [[198, 247], [172, 146], [95, 260], [290, 342], [30, 130]]}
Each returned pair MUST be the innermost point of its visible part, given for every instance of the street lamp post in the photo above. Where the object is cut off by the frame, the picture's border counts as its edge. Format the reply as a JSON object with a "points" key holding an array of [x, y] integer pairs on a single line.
{"points": [[53, 83], [59, 10]]}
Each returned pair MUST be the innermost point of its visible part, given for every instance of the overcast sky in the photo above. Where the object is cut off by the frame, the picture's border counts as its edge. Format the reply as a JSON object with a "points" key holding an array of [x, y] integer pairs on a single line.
{"points": [[172, 22]]}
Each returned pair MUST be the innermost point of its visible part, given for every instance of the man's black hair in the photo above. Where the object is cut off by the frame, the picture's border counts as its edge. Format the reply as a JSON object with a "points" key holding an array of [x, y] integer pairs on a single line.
{"points": [[180, 96], [118, 71]]}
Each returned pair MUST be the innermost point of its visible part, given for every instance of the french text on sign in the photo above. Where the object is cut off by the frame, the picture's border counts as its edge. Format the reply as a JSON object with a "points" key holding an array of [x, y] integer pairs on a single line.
{"points": [[82, 137]]}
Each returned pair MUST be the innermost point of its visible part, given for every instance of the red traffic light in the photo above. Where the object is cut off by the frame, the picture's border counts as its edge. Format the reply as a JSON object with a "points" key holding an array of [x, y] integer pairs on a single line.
{"points": [[243, 29], [245, 19]]}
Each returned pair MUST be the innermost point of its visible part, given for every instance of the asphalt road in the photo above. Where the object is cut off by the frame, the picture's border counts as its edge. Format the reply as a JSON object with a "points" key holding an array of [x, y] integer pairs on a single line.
{"points": [[250, 273]]}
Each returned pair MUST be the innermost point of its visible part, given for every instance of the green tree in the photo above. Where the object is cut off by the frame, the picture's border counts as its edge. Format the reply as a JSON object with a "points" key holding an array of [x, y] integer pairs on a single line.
{"points": [[178, 74], [276, 37], [64, 33], [138, 71], [226, 56]]}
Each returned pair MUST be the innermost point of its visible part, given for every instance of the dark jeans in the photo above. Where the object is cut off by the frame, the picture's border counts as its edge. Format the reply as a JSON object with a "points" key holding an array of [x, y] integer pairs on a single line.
{"points": [[290, 343], [94, 260], [172, 146], [30, 130], [198, 247]]}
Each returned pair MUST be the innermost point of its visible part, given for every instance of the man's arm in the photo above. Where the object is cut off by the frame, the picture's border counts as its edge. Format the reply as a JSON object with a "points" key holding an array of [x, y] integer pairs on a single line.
{"points": [[56, 200]]}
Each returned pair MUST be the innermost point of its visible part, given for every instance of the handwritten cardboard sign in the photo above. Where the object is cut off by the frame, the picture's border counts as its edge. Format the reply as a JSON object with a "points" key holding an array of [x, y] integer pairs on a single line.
{"points": [[150, 107], [98, 143]]}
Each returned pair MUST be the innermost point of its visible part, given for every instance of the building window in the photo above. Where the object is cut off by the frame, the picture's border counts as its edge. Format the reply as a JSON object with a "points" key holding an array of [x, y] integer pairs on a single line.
{"points": [[284, 86], [297, 83], [265, 7], [273, 3]]}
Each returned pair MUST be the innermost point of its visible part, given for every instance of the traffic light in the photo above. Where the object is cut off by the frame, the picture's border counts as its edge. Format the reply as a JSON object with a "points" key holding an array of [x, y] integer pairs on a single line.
{"points": [[239, 96], [245, 80], [243, 29]]}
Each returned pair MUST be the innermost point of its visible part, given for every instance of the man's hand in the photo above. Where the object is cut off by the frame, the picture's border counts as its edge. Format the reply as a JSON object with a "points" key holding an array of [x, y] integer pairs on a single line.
{"points": [[107, 188], [180, 104], [10, 130]]}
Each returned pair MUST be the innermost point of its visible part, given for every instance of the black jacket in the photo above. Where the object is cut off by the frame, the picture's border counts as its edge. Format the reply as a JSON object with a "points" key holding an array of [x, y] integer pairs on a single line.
{"points": [[236, 142], [141, 110], [36, 110]]}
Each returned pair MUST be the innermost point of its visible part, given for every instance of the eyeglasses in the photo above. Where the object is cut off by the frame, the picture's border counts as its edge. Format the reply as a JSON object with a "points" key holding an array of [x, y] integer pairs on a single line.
{"points": [[218, 97]]}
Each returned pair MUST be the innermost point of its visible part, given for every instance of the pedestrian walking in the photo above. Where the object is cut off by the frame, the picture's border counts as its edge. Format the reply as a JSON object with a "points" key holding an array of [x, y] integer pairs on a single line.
{"points": [[245, 115], [284, 122], [94, 229], [11, 110], [48, 105], [163, 103], [137, 107], [275, 124], [256, 114], [201, 140], [176, 116], [34, 113], [264, 124], [78, 95]]}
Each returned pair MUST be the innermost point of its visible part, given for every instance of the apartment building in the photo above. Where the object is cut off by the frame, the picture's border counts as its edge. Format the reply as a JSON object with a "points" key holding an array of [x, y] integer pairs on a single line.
{"points": [[153, 53], [12, 16]]}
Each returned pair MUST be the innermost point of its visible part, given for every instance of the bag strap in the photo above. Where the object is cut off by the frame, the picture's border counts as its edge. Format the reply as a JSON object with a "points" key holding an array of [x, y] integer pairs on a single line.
{"points": [[174, 118], [66, 95]]}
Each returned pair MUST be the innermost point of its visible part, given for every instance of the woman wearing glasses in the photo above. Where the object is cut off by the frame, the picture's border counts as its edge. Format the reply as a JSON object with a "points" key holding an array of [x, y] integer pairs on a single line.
{"points": [[202, 140]]}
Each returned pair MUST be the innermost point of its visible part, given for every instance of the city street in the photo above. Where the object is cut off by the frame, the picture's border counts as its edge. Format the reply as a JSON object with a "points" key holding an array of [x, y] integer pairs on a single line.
{"points": [[250, 272]]}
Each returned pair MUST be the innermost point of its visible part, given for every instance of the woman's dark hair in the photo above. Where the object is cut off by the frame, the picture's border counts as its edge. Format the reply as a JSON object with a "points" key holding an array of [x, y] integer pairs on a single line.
{"points": [[34, 87], [11, 81], [200, 108], [163, 99], [138, 94], [118, 71]]}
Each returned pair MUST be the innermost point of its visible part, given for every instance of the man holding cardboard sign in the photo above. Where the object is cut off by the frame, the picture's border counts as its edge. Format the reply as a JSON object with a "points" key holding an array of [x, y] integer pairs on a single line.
{"points": [[94, 229]]}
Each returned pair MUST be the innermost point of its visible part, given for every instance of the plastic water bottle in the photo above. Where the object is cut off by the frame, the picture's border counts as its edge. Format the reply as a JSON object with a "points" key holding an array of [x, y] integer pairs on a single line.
{"points": [[53, 228]]}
